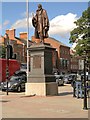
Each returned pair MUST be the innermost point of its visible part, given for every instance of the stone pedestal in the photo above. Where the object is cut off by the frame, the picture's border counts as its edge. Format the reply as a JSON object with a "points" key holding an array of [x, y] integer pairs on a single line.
{"points": [[41, 81]]}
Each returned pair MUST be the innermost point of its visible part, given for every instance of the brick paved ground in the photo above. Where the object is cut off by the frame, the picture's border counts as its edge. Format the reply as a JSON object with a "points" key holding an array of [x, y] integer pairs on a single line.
{"points": [[17, 105]]}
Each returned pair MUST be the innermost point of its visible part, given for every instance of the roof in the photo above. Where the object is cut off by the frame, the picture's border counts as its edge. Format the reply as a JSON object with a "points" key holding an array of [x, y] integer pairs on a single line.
{"points": [[23, 40], [59, 42]]}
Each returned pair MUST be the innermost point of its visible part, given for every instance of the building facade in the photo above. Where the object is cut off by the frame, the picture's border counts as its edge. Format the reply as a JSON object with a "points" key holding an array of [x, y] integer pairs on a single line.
{"points": [[74, 64], [64, 59], [19, 44]]}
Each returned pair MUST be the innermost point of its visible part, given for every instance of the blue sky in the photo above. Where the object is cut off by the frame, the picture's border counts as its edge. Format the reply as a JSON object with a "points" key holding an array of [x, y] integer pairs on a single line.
{"points": [[61, 14]]}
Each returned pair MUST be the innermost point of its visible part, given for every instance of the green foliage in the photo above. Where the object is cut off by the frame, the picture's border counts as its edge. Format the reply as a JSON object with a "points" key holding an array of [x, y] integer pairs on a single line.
{"points": [[81, 34], [2, 52]]}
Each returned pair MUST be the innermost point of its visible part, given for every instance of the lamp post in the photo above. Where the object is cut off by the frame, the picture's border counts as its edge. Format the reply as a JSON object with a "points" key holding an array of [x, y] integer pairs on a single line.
{"points": [[7, 60], [85, 87], [86, 56]]}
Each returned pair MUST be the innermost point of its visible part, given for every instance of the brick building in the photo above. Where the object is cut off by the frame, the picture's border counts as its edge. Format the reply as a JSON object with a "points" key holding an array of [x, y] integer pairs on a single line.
{"points": [[77, 63], [65, 59], [19, 44], [74, 64]]}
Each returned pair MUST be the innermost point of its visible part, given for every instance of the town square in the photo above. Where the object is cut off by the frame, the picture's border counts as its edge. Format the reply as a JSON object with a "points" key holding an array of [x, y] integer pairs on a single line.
{"points": [[45, 60]]}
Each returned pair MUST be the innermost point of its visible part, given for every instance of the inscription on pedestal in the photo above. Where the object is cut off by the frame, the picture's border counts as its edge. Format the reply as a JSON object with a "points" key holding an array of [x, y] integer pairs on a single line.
{"points": [[36, 61]]}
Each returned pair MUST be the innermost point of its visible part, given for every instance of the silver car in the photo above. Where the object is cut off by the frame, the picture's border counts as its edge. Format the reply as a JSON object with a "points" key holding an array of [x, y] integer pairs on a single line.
{"points": [[16, 83], [69, 78]]}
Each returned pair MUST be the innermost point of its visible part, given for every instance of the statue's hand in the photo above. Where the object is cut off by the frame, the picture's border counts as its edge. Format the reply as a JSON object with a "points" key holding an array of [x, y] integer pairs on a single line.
{"points": [[46, 28], [34, 21]]}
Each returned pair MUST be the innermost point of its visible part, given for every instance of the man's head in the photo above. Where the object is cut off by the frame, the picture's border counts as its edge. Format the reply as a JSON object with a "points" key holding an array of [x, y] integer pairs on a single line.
{"points": [[39, 6]]}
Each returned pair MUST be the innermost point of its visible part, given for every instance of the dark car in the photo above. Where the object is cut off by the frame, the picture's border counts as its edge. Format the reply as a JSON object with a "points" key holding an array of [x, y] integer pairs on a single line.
{"points": [[16, 83], [20, 73], [69, 78]]}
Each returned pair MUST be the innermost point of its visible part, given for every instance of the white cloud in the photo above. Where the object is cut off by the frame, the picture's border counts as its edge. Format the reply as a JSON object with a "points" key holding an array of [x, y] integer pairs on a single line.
{"points": [[22, 23], [63, 24], [73, 46], [24, 14], [60, 25], [3, 25], [6, 23]]}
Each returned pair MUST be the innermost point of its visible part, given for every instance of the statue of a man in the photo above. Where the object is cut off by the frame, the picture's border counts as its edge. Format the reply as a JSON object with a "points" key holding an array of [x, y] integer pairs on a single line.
{"points": [[41, 23]]}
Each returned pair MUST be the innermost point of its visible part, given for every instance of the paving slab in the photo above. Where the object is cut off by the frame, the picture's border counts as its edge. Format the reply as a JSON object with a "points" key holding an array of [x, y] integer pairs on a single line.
{"points": [[18, 105]]}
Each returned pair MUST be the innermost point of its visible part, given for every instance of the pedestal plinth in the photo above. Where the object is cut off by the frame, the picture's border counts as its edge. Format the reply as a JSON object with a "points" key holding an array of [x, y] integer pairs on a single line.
{"points": [[41, 81]]}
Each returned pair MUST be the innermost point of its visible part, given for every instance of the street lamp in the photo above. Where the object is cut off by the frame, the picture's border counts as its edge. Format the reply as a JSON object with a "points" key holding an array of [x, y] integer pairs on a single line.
{"points": [[7, 59], [85, 89], [86, 59]]}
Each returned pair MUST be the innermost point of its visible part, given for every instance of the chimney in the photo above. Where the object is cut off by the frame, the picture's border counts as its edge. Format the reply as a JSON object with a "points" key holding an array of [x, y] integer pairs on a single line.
{"points": [[23, 35], [11, 33]]}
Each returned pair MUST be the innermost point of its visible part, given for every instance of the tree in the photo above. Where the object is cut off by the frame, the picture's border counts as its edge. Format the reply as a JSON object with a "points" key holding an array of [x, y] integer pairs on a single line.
{"points": [[81, 34], [2, 52]]}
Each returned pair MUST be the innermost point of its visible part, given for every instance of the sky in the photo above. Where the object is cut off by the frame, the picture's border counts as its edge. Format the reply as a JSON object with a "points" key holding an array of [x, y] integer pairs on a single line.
{"points": [[61, 17]]}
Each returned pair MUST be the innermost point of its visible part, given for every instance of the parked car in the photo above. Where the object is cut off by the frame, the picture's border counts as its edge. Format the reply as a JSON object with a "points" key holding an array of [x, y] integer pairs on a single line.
{"points": [[16, 83], [69, 78], [20, 73], [59, 79], [23, 67]]}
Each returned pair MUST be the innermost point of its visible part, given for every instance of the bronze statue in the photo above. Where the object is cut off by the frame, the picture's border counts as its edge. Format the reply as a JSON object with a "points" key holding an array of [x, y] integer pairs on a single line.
{"points": [[41, 23]]}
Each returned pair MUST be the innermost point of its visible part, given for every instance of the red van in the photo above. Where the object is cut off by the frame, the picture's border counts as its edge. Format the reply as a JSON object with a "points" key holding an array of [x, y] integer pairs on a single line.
{"points": [[14, 65]]}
